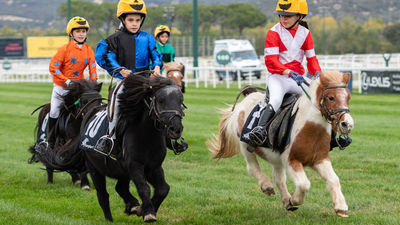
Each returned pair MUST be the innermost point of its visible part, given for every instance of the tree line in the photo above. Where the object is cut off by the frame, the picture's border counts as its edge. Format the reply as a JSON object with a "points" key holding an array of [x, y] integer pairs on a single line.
{"points": [[236, 20]]}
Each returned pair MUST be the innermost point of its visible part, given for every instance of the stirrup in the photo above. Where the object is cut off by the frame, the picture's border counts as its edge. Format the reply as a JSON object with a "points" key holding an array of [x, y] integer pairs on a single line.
{"points": [[103, 147], [179, 145], [343, 141], [42, 146]]}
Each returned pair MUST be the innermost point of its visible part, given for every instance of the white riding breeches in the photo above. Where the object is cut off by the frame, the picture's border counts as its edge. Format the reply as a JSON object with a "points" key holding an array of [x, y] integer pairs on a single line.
{"points": [[279, 85], [113, 123], [56, 100]]}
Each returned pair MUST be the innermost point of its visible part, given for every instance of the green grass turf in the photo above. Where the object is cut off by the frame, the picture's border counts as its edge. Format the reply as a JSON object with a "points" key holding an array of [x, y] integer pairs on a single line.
{"points": [[204, 191]]}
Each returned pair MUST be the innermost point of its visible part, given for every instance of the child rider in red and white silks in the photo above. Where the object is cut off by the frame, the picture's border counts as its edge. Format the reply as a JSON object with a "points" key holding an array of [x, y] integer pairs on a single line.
{"points": [[286, 44]]}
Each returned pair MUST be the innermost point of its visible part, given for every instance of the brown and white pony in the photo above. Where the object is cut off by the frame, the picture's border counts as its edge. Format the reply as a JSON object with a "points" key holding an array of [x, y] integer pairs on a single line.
{"points": [[174, 71], [327, 109]]}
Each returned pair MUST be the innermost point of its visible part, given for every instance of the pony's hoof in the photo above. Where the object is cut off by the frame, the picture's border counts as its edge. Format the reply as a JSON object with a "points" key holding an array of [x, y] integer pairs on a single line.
{"points": [[342, 213], [77, 182], [85, 187], [136, 210], [149, 218], [269, 191], [291, 207]]}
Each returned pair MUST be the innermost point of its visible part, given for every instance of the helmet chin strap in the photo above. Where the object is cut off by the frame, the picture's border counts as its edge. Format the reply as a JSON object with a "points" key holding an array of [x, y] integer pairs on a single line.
{"points": [[295, 23], [79, 43]]}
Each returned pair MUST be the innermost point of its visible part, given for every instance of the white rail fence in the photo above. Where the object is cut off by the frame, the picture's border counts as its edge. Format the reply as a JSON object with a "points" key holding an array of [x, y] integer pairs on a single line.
{"points": [[36, 70]]}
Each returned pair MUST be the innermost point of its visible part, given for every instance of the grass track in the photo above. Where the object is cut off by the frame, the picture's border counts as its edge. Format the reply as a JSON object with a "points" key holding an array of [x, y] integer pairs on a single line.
{"points": [[204, 191]]}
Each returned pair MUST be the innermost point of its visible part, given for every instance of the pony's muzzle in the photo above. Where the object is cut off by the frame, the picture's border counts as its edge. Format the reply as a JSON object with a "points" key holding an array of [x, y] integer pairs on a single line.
{"points": [[346, 125], [175, 132], [175, 129]]}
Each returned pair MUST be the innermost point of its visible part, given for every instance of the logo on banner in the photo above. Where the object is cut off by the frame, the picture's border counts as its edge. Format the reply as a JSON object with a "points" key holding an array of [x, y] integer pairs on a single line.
{"points": [[374, 81]]}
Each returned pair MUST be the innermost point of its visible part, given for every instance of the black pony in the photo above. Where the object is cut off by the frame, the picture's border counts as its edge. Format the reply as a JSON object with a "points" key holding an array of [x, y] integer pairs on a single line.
{"points": [[151, 109], [83, 95]]}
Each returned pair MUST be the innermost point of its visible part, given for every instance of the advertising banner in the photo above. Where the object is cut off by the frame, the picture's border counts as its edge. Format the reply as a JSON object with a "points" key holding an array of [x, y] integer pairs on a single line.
{"points": [[12, 47], [44, 47], [380, 82]]}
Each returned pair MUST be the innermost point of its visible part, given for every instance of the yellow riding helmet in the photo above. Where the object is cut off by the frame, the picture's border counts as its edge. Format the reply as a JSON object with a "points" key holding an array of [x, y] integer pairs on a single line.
{"points": [[131, 6], [288, 7], [303, 7], [77, 22], [161, 28]]}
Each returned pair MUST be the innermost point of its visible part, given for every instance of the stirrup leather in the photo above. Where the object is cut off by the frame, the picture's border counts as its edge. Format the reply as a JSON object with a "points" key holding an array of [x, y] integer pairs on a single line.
{"points": [[103, 147]]}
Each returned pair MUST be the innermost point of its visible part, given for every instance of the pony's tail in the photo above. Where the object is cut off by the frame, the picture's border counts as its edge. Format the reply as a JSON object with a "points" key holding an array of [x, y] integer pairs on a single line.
{"points": [[227, 143], [69, 157]]}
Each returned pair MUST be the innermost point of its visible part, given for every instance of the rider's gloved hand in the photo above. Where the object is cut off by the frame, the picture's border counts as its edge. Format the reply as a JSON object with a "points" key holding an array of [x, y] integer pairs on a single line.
{"points": [[68, 82], [296, 77], [317, 75]]}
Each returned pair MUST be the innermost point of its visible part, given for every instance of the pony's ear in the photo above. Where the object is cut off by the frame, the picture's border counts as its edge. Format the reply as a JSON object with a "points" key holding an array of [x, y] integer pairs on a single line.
{"points": [[180, 66], [98, 86], [323, 79], [346, 77]]}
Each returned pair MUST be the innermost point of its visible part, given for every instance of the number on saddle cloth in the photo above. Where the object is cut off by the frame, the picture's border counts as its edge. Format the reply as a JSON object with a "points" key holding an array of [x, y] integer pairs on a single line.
{"points": [[94, 129], [278, 129]]}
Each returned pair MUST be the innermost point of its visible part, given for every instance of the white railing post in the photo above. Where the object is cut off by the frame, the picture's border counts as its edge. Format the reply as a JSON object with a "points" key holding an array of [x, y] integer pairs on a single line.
{"points": [[196, 72], [205, 77], [214, 78]]}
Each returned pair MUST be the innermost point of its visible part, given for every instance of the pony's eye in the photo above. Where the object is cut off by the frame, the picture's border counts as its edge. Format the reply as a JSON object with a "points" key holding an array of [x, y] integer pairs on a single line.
{"points": [[331, 98]]}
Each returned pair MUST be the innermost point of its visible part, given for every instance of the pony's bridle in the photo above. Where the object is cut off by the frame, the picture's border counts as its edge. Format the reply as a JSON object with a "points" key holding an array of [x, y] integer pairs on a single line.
{"points": [[329, 113], [153, 107], [332, 116]]}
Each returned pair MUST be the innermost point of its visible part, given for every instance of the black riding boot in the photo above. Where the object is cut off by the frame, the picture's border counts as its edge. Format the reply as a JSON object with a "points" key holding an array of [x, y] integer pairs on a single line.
{"points": [[342, 141], [51, 137], [259, 133], [177, 145]]}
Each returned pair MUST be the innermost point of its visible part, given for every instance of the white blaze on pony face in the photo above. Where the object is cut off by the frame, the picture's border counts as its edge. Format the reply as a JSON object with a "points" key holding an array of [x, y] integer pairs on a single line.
{"points": [[176, 74]]}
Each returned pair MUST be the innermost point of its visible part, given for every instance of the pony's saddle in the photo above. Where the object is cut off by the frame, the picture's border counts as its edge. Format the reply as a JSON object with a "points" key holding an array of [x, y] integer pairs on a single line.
{"points": [[278, 128], [60, 127]]}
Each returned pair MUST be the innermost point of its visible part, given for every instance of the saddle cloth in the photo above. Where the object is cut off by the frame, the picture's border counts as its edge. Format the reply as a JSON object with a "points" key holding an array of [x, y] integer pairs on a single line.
{"points": [[93, 130], [61, 127], [279, 127], [42, 132]]}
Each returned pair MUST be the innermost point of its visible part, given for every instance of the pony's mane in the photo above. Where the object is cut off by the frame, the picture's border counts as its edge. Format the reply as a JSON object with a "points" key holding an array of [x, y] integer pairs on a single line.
{"points": [[77, 88], [137, 88]]}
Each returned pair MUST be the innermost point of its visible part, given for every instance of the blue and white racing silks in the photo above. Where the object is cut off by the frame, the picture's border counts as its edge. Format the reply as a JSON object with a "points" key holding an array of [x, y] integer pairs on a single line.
{"points": [[126, 50]]}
